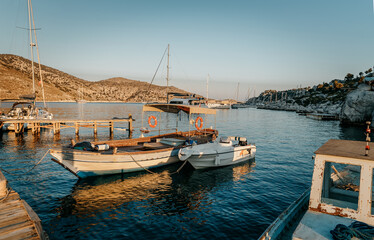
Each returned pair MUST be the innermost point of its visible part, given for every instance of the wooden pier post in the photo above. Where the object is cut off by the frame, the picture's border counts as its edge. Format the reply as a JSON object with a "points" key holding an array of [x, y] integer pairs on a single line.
{"points": [[3, 186], [32, 128], [130, 126], [95, 128], [77, 128], [18, 128], [111, 128]]}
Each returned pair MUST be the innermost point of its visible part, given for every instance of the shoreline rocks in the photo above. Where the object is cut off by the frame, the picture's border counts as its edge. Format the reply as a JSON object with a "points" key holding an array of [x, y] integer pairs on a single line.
{"points": [[358, 106]]}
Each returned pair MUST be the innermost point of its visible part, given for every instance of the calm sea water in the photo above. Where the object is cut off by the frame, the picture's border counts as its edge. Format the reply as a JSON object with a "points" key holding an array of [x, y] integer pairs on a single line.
{"points": [[234, 202]]}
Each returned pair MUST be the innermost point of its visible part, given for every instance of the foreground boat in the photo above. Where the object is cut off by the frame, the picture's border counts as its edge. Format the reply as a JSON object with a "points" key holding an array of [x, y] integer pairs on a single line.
{"points": [[227, 151], [130, 155], [341, 193]]}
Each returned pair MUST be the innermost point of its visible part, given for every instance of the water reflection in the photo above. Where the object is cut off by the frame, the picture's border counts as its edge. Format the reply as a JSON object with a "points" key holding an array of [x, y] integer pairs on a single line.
{"points": [[356, 133], [161, 193]]}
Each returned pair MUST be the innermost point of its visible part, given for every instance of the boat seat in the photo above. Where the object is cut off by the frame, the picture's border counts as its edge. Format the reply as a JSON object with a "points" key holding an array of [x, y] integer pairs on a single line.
{"points": [[171, 141], [225, 140], [154, 145]]}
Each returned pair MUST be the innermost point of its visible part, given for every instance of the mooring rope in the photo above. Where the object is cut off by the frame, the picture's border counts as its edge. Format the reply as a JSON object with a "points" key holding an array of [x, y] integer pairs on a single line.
{"points": [[16, 174], [357, 229], [7, 194], [178, 170]]}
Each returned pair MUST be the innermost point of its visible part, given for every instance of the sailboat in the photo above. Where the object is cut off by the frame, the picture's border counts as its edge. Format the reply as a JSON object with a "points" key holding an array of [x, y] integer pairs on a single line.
{"points": [[25, 106], [239, 104], [80, 95], [214, 105]]}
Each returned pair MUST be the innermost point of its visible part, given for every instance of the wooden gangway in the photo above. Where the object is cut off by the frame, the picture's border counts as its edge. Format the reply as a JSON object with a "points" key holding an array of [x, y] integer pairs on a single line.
{"points": [[35, 125], [17, 219]]}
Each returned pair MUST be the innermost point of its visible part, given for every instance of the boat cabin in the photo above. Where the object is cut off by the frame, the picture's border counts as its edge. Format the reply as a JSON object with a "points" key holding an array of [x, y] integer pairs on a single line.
{"points": [[341, 191], [183, 98]]}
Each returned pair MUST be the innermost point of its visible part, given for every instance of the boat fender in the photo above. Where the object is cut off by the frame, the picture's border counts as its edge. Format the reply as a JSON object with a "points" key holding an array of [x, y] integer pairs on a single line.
{"points": [[87, 146], [198, 125], [101, 147], [184, 153], [150, 121]]}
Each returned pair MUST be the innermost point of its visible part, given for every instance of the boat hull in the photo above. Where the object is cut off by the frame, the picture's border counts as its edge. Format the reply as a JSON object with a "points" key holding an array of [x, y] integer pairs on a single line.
{"points": [[87, 164], [224, 158]]}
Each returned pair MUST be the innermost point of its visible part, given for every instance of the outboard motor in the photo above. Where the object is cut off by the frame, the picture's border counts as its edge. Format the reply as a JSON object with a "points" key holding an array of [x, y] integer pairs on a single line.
{"points": [[243, 141]]}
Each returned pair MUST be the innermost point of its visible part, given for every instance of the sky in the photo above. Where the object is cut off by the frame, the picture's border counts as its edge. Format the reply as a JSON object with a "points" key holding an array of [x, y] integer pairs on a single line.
{"points": [[256, 44]]}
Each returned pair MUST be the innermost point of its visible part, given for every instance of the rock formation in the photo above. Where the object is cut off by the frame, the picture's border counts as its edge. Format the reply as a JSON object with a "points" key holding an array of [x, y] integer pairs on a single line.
{"points": [[358, 106]]}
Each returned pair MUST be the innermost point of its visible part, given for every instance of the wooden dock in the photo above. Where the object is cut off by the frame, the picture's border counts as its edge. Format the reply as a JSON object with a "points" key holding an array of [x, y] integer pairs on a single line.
{"points": [[35, 125], [17, 219], [323, 117]]}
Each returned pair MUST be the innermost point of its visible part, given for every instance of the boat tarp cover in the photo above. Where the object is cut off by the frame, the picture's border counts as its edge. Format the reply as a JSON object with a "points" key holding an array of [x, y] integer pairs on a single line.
{"points": [[31, 96], [175, 108]]}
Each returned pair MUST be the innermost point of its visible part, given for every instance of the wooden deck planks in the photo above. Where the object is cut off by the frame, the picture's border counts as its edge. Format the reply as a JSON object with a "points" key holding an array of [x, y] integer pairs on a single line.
{"points": [[18, 220]]}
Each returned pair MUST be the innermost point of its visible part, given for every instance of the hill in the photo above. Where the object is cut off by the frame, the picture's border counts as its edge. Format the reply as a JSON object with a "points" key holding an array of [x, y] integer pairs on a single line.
{"points": [[16, 80]]}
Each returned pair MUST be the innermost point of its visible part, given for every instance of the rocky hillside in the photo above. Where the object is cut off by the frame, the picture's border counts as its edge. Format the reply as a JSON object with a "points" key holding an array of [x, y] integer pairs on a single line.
{"points": [[16, 80], [352, 99]]}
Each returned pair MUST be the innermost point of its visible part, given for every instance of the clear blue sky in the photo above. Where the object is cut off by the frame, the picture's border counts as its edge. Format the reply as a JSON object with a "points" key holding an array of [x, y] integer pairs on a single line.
{"points": [[267, 44]]}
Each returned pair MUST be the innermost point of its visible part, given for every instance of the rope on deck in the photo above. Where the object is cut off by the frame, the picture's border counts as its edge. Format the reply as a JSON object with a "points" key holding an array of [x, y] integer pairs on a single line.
{"points": [[18, 174], [357, 229]]}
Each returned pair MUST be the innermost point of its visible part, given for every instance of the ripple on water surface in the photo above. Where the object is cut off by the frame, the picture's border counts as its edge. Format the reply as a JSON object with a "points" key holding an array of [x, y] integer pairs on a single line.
{"points": [[233, 202]]}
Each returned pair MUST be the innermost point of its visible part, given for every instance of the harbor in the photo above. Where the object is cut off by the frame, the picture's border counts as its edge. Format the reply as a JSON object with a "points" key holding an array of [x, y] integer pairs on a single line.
{"points": [[208, 120], [191, 202]]}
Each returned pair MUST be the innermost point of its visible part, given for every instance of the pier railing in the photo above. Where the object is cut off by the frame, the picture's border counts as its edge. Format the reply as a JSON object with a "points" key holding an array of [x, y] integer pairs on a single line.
{"points": [[35, 125]]}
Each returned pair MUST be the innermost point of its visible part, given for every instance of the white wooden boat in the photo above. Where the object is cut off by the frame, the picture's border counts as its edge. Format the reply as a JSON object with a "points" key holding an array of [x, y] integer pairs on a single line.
{"points": [[130, 155], [227, 151], [341, 193]]}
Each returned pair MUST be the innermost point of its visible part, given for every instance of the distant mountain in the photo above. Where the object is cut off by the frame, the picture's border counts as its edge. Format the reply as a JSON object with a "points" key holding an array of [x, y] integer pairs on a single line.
{"points": [[16, 80]]}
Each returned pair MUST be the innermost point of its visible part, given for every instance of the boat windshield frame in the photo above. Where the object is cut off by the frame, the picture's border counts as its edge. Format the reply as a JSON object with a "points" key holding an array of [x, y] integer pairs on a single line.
{"points": [[175, 109], [348, 153]]}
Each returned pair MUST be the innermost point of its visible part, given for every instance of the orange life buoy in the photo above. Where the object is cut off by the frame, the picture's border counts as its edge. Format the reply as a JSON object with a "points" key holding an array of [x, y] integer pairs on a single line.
{"points": [[199, 126], [150, 121]]}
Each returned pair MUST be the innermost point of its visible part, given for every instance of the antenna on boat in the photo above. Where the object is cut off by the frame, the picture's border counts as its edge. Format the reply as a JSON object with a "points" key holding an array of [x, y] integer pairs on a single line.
{"points": [[367, 147]]}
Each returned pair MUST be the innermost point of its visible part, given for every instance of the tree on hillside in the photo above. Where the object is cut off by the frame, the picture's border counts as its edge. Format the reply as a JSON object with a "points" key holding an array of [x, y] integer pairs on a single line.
{"points": [[369, 70], [361, 73], [349, 76]]}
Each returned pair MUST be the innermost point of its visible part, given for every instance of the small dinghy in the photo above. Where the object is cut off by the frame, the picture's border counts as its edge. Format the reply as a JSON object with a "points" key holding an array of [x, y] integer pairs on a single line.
{"points": [[227, 151]]}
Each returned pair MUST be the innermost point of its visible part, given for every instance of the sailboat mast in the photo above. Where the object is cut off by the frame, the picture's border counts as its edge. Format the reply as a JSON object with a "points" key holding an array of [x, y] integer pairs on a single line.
{"points": [[31, 47], [207, 88], [37, 53], [237, 92], [167, 76]]}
